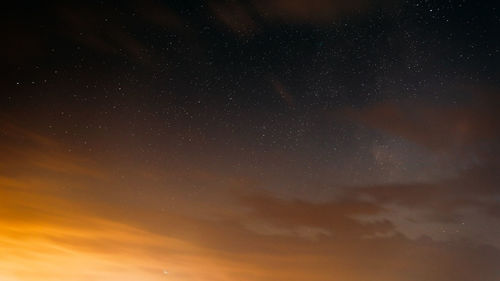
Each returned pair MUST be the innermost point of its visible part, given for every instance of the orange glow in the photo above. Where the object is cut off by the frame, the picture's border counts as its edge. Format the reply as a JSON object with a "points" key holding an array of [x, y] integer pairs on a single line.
{"points": [[64, 217]]}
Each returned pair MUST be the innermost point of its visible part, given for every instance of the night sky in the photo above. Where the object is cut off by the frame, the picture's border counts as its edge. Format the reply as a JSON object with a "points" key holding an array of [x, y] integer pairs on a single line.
{"points": [[259, 140]]}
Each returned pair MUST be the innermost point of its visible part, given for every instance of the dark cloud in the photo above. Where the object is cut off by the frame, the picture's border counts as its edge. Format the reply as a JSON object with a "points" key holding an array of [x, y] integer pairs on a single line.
{"points": [[234, 15], [244, 17], [99, 33], [283, 93], [304, 11], [437, 126], [158, 14]]}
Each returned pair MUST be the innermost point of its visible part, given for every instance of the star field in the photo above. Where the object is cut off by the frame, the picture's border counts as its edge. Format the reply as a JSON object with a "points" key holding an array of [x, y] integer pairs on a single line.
{"points": [[250, 140]]}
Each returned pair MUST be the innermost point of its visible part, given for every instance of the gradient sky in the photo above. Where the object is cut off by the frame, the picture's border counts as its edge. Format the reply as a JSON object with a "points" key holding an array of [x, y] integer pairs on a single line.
{"points": [[259, 140]]}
